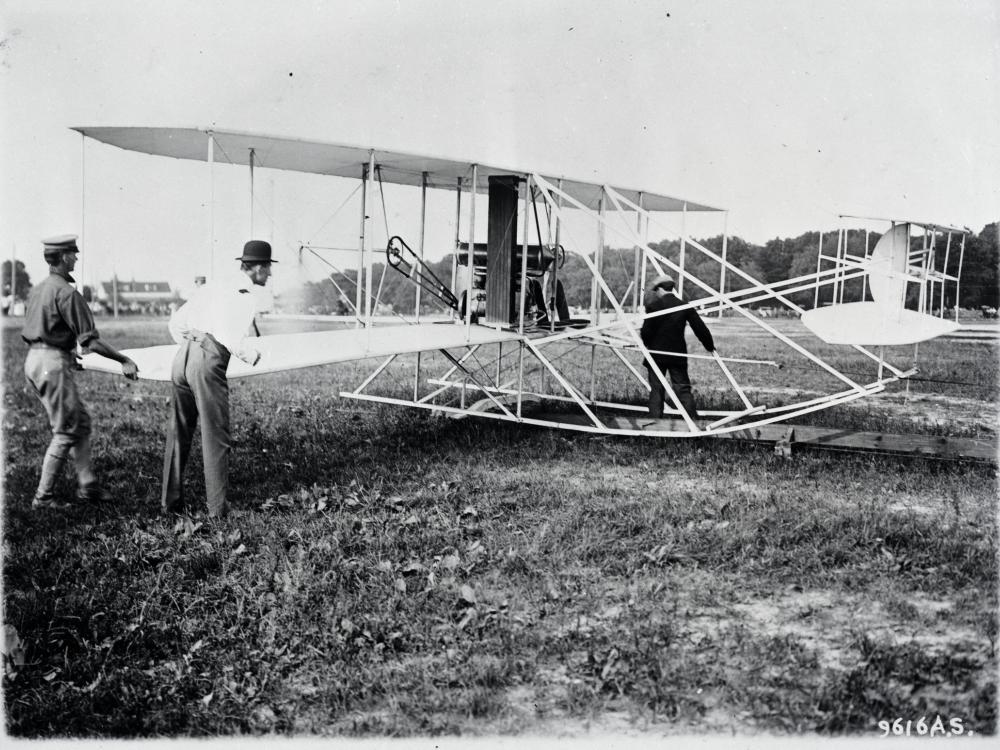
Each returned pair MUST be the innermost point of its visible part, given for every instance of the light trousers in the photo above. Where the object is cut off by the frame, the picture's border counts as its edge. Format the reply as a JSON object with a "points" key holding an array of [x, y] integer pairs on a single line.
{"points": [[50, 373]]}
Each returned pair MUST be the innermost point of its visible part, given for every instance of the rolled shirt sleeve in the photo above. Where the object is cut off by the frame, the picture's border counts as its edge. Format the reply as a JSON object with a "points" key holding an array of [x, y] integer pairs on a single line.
{"points": [[178, 325], [74, 310], [222, 309]]}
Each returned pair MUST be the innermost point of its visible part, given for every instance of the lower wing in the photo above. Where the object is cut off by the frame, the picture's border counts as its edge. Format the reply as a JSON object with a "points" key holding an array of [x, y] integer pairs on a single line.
{"points": [[294, 350]]}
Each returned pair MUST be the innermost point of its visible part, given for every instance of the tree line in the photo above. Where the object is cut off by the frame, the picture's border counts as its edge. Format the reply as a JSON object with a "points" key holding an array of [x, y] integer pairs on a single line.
{"points": [[774, 261]]}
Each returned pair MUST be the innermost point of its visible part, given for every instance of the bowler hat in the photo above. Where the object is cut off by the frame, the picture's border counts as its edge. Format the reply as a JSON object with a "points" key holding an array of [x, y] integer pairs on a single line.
{"points": [[257, 251], [60, 244]]}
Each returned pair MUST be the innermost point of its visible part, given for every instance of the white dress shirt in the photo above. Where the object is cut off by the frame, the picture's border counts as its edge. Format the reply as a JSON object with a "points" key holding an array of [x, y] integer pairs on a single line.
{"points": [[223, 308]]}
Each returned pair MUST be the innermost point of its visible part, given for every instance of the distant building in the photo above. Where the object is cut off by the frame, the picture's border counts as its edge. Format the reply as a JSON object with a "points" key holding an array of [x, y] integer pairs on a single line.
{"points": [[11, 306], [138, 297]]}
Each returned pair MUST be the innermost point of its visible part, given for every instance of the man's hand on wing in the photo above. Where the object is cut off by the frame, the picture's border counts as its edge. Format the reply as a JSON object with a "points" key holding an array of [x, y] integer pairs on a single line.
{"points": [[130, 370]]}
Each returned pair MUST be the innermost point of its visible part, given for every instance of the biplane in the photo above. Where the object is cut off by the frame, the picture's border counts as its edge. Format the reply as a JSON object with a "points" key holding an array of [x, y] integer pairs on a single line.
{"points": [[506, 345]]}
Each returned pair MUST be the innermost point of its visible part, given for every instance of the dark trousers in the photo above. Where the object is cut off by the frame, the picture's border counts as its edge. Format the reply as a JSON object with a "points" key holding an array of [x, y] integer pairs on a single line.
{"points": [[200, 390], [681, 384], [538, 298]]}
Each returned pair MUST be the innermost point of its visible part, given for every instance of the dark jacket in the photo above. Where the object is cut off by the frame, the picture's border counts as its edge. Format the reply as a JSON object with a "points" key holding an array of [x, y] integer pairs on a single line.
{"points": [[666, 332]]}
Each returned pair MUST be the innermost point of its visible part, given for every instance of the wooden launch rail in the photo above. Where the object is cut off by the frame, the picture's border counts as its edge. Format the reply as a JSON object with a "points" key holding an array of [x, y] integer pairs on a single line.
{"points": [[786, 438]]}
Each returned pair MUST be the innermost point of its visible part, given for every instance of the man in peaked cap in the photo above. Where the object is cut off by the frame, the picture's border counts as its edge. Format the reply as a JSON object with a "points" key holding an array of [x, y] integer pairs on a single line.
{"points": [[56, 321], [663, 334], [211, 327]]}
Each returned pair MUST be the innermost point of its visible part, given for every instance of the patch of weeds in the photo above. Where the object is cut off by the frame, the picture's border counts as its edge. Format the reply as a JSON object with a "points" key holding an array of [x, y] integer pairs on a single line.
{"points": [[650, 668], [201, 564], [906, 681]]}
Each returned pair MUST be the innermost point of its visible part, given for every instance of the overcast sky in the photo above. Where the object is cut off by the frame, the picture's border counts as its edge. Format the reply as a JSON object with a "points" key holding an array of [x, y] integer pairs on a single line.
{"points": [[785, 113]]}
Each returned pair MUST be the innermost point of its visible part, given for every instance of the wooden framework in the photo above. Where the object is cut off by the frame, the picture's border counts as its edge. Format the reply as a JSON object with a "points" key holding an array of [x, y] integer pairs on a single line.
{"points": [[506, 378]]}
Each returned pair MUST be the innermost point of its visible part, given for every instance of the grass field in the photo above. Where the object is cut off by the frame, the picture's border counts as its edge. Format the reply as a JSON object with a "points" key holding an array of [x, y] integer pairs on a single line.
{"points": [[392, 573]]}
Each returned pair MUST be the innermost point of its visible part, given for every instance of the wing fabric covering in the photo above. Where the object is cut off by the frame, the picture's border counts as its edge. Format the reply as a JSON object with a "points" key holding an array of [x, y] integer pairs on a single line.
{"points": [[340, 160], [874, 324], [294, 350]]}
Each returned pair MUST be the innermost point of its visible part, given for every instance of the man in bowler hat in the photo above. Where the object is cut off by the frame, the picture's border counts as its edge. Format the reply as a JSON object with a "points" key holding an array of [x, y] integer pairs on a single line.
{"points": [[214, 325], [56, 321], [665, 334]]}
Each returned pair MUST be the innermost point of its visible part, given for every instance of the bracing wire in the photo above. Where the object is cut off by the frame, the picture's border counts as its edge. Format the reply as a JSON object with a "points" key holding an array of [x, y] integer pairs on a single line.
{"points": [[221, 149], [381, 192], [336, 211], [792, 366], [381, 281], [534, 208], [355, 283]]}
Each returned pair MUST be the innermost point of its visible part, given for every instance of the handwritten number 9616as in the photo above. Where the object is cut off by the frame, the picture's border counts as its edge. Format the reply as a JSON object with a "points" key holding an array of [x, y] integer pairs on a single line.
{"points": [[923, 727]]}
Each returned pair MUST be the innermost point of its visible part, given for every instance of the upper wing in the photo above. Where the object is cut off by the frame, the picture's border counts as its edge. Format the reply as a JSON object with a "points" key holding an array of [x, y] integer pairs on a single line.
{"points": [[293, 350], [341, 160]]}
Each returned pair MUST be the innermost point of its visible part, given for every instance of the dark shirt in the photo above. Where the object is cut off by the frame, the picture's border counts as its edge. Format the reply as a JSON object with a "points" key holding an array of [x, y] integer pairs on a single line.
{"points": [[665, 333], [58, 315]]}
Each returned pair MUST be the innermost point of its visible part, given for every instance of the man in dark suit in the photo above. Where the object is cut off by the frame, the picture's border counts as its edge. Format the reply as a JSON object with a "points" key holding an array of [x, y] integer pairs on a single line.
{"points": [[664, 334]]}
